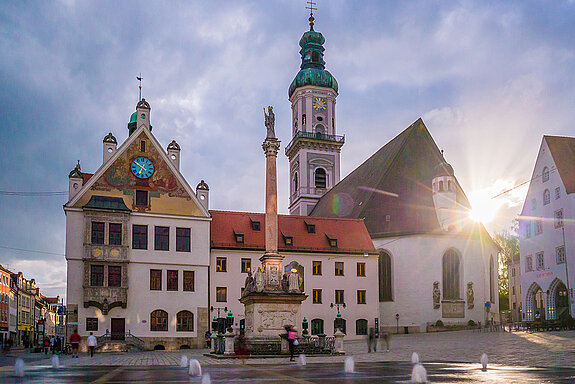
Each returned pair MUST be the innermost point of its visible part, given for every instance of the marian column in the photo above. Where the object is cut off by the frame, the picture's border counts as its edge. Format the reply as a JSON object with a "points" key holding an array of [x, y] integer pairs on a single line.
{"points": [[271, 260]]}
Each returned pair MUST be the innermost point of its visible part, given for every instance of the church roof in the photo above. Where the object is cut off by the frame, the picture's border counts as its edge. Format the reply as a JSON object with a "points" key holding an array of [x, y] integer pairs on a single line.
{"points": [[351, 235], [107, 203], [563, 152], [391, 190]]}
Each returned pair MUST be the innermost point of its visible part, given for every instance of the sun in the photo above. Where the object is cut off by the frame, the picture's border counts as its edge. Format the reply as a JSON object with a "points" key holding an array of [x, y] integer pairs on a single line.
{"points": [[483, 207]]}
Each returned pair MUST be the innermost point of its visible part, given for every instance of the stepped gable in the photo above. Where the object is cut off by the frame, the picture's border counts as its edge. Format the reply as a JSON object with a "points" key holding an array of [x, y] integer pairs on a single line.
{"points": [[391, 190], [563, 152]]}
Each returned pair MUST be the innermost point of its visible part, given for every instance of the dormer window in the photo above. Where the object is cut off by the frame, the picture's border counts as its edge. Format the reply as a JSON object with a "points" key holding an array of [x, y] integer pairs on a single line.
{"points": [[239, 237], [310, 227], [288, 240], [332, 241], [256, 225]]}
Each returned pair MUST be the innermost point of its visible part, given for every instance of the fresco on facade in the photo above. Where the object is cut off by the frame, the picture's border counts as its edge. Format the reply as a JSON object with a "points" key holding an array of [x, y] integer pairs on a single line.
{"points": [[288, 270]]}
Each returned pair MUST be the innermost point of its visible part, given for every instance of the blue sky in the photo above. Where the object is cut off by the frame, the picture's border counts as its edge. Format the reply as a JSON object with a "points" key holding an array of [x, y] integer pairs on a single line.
{"points": [[489, 79]]}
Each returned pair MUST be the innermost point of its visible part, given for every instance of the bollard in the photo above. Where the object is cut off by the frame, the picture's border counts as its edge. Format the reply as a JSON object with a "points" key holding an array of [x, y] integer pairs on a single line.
{"points": [[213, 339]]}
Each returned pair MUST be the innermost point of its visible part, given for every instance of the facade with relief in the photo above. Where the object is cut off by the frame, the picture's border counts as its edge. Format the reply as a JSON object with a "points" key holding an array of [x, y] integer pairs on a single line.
{"points": [[546, 233], [137, 244]]}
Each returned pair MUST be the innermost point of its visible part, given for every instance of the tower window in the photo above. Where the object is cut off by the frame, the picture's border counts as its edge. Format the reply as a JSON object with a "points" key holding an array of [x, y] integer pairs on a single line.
{"points": [[320, 178], [143, 146], [141, 198], [441, 185], [315, 57], [295, 182], [319, 130]]}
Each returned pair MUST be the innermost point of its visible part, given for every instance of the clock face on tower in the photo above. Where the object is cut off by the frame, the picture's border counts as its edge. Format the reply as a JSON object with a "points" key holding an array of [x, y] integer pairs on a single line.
{"points": [[319, 104], [142, 168]]}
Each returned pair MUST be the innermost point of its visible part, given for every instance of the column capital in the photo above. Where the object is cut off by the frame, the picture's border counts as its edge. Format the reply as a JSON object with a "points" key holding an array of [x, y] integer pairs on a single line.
{"points": [[271, 146]]}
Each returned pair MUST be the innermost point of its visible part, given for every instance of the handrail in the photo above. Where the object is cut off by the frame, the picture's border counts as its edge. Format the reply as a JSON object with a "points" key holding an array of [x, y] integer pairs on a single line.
{"points": [[316, 136], [128, 337]]}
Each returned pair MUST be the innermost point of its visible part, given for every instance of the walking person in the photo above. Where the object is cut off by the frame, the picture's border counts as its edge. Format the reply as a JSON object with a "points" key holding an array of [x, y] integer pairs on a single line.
{"points": [[92, 343], [46, 345], [292, 339], [75, 339], [385, 338], [371, 340]]}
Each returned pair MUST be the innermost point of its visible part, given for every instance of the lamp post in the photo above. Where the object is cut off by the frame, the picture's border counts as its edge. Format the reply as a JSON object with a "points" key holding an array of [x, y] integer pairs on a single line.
{"points": [[230, 321], [569, 294], [397, 323], [338, 319], [220, 320], [304, 326]]}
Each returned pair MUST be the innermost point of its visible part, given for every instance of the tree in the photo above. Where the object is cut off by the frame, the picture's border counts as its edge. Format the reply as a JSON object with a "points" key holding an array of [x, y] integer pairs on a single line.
{"points": [[509, 244]]}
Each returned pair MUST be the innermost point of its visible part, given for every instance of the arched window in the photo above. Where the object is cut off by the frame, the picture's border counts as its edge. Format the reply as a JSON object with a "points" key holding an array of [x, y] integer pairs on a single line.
{"points": [[440, 186], [320, 178], [545, 174], [159, 320], [384, 261], [491, 280], [295, 182], [317, 327], [451, 277], [319, 130], [361, 327], [340, 324], [315, 57], [185, 321], [546, 197]]}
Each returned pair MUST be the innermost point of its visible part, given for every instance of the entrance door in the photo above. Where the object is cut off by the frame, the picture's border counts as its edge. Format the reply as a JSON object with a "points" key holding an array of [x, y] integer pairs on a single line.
{"points": [[118, 329]]}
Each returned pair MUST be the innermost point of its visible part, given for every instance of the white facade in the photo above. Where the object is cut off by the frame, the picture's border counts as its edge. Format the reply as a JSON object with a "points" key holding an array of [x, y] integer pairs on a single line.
{"points": [[547, 239], [417, 262], [233, 280]]}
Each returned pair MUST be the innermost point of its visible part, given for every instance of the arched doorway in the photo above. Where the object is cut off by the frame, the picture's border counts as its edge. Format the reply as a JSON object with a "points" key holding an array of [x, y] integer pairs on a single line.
{"points": [[534, 302], [558, 305]]}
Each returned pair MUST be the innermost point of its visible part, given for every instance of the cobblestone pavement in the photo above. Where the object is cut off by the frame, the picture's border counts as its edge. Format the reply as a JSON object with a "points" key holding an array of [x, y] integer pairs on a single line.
{"points": [[545, 349]]}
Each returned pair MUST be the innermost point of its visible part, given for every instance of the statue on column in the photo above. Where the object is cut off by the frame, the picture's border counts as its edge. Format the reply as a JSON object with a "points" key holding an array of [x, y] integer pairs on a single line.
{"points": [[436, 294], [259, 280], [470, 296], [285, 283], [270, 120], [293, 280], [249, 284]]}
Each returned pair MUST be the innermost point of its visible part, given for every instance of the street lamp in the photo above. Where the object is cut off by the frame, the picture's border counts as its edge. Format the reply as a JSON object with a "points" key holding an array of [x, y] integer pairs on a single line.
{"points": [[338, 324], [230, 321], [220, 320], [304, 326]]}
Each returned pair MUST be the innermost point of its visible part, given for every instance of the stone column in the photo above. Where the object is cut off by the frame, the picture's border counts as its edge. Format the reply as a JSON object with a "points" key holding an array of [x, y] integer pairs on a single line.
{"points": [[338, 345], [229, 344]]}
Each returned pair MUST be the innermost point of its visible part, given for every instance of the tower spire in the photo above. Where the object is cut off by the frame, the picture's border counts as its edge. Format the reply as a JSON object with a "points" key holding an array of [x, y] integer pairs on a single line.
{"points": [[140, 86], [311, 7]]}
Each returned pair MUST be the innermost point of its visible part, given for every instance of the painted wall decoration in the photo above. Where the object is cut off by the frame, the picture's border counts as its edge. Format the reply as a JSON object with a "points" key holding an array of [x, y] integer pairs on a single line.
{"points": [[300, 269]]}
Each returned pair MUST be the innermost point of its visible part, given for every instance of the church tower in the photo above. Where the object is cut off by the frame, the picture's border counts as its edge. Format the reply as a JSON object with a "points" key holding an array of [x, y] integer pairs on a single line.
{"points": [[445, 189], [315, 148]]}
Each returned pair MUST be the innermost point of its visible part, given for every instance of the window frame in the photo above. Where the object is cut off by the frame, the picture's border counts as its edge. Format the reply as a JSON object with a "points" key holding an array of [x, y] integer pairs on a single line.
{"points": [[115, 236], [158, 321], [558, 254], [558, 218], [317, 296], [540, 260], [183, 239], [97, 234], [139, 198], [246, 265], [529, 263], [557, 193], [187, 276], [221, 294], [538, 226], [172, 280], [114, 279], [139, 239], [361, 325], [361, 269], [545, 174], [361, 296], [546, 197], [161, 238], [91, 324], [339, 296], [189, 320], [155, 279], [99, 276], [316, 268], [221, 264], [339, 271]]}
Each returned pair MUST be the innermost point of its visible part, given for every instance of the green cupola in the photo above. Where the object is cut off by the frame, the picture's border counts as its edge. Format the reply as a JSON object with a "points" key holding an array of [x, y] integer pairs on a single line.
{"points": [[132, 123], [312, 69]]}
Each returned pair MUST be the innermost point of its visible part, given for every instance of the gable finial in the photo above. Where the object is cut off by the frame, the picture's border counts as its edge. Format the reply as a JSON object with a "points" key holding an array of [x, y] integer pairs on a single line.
{"points": [[140, 86], [311, 8]]}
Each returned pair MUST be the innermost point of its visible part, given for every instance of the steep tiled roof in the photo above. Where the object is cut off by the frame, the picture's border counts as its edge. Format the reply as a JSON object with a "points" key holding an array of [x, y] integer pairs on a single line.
{"points": [[107, 203], [391, 190], [563, 151], [351, 234]]}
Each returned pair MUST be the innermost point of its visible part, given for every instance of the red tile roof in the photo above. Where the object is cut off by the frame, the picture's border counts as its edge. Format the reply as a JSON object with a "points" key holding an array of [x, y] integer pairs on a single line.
{"points": [[86, 176], [351, 234], [563, 151]]}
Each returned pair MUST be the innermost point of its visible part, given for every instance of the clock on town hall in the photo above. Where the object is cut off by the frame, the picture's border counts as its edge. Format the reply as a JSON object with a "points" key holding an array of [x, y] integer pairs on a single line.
{"points": [[142, 168], [319, 104]]}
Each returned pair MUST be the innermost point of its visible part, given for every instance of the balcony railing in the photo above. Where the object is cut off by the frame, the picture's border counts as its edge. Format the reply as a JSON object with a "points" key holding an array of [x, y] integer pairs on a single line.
{"points": [[112, 294], [316, 136], [308, 191]]}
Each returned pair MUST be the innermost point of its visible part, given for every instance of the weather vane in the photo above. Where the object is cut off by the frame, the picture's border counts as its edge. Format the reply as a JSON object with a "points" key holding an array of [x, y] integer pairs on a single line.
{"points": [[140, 80], [311, 8]]}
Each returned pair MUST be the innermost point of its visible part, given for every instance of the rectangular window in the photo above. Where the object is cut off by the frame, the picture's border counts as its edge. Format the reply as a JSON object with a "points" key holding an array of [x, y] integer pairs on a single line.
{"points": [[155, 279], [529, 263], [513, 290], [256, 226], [189, 281], [139, 236], [221, 294], [527, 229], [97, 275], [91, 324], [557, 193], [162, 238], [114, 276], [316, 267], [533, 204], [141, 198], [339, 298], [143, 146], [97, 233], [513, 272], [540, 261], [310, 228], [538, 226], [317, 296], [239, 238], [361, 296], [221, 264], [339, 268], [288, 240], [246, 265], [559, 218], [560, 254], [361, 269], [172, 280], [115, 235], [183, 239]]}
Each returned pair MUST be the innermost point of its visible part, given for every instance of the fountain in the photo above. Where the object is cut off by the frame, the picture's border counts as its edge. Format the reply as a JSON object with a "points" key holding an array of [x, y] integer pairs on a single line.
{"points": [[55, 362], [418, 374], [484, 361], [195, 368], [184, 361], [301, 361], [414, 358], [206, 379], [349, 365], [19, 368]]}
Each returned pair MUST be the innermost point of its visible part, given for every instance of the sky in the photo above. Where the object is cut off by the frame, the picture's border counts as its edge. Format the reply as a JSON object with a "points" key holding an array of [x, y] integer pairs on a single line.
{"points": [[489, 79]]}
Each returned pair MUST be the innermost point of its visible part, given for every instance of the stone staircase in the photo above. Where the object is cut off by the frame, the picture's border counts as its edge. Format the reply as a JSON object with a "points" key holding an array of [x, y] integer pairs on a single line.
{"points": [[114, 343]]}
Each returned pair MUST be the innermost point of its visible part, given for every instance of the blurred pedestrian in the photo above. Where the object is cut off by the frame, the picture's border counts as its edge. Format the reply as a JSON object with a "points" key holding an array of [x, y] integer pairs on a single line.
{"points": [[385, 338], [75, 339], [46, 345], [92, 343], [292, 339], [371, 340], [241, 348]]}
